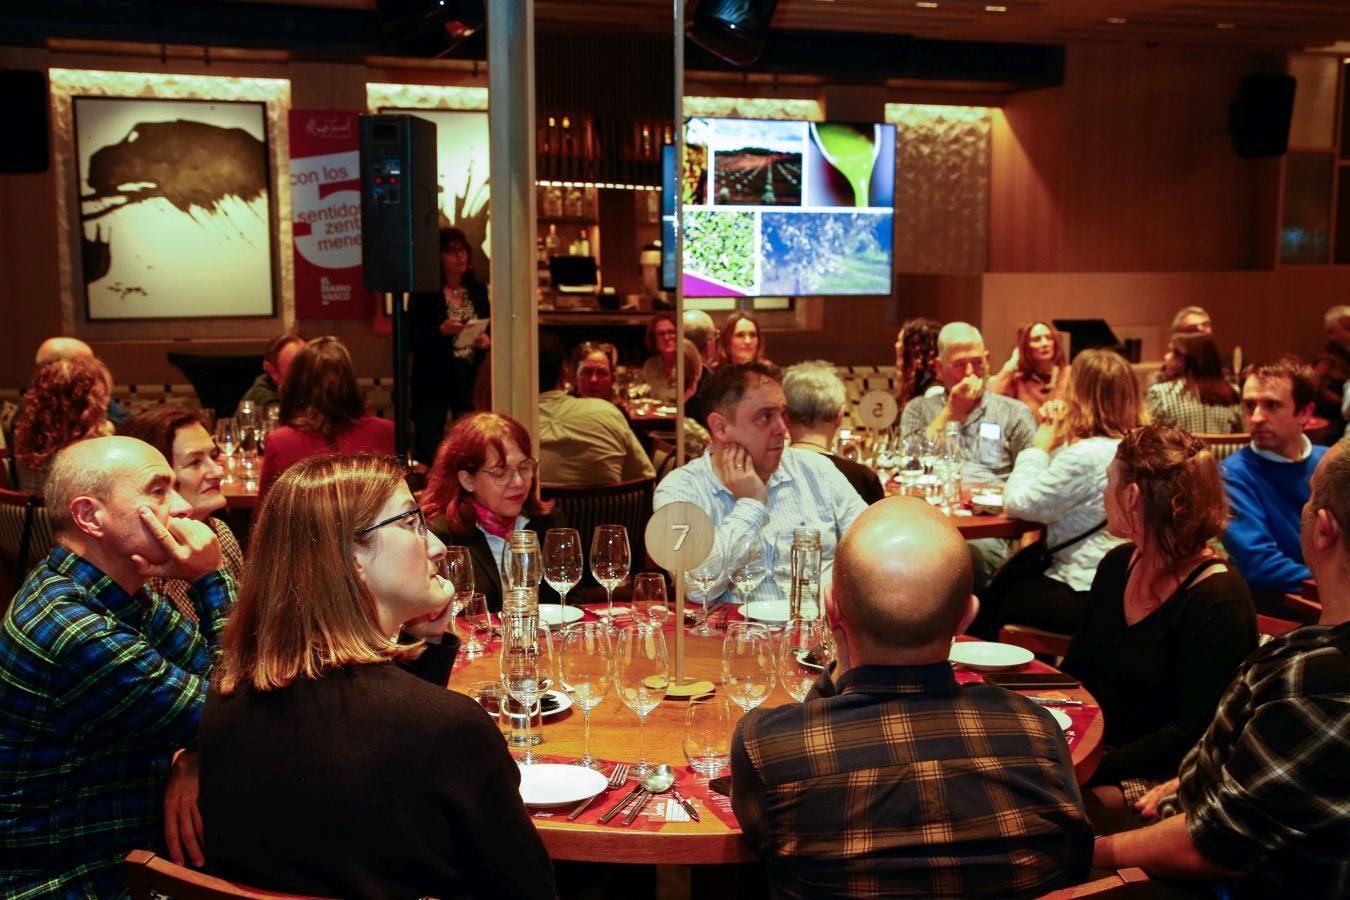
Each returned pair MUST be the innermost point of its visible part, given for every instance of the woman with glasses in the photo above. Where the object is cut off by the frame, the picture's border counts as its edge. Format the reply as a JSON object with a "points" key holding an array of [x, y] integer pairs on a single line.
{"points": [[658, 372], [482, 487], [324, 766], [322, 412]]}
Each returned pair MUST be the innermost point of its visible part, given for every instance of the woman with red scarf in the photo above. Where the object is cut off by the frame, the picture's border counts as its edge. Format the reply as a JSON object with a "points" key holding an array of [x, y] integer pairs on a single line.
{"points": [[482, 486]]}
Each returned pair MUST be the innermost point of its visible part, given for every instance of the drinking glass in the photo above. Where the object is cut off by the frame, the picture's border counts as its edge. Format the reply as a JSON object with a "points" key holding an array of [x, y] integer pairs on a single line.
{"points": [[749, 566], [248, 448], [521, 565], [707, 734], [227, 439], [563, 562], [586, 667], [747, 664], [479, 623], [457, 568], [642, 677], [610, 560], [807, 648], [649, 599], [702, 578], [527, 668]]}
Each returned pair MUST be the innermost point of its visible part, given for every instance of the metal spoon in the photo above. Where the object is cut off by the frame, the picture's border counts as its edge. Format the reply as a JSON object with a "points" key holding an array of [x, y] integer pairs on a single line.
{"points": [[657, 781]]}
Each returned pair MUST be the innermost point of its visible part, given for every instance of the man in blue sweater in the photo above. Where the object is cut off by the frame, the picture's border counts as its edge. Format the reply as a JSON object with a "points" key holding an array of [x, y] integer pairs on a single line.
{"points": [[1268, 481]]}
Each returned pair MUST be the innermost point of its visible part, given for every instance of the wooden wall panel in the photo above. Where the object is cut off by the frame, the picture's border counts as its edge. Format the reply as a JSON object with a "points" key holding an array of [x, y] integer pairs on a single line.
{"points": [[1027, 183]]}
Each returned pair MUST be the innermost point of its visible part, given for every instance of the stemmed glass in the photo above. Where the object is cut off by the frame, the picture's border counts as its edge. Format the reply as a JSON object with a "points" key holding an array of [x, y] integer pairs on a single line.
{"points": [[747, 664], [521, 564], [807, 648], [702, 578], [707, 734], [649, 599], [642, 676], [610, 560], [527, 668], [247, 435], [748, 566], [227, 439], [457, 569], [563, 562], [478, 622], [586, 661]]}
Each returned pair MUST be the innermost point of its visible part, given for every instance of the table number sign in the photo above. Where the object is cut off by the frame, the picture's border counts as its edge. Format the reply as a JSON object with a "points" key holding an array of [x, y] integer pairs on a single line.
{"points": [[679, 536], [877, 410]]}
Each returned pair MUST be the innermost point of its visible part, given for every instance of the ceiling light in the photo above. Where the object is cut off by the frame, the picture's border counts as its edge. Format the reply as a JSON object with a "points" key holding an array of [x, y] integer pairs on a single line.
{"points": [[1116, 20], [999, 9], [926, 4], [1225, 26]]}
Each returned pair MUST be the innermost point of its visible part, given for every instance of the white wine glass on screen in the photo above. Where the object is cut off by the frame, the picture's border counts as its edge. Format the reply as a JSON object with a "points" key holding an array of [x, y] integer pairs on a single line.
{"points": [[457, 570], [563, 563], [807, 648], [527, 668], [650, 605], [610, 561], [747, 664], [702, 578], [642, 677], [521, 564], [227, 440], [749, 566], [586, 671]]}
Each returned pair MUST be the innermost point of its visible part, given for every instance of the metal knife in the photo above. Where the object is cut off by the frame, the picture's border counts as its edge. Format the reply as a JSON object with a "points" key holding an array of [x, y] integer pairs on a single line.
{"points": [[688, 807], [614, 811]]}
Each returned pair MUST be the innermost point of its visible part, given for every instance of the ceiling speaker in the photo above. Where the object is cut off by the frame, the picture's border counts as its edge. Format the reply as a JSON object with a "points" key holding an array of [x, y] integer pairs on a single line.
{"points": [[430, 27], [735, 30]]}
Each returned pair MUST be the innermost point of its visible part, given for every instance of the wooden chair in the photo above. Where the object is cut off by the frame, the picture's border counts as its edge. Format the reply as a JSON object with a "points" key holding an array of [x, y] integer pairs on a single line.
{"points": [[1046, 643], [149, 876], [628, 503], [1241, 439], [1124, 883], [1302, 608], [1270, 627], [25, 532], [663, 455]]}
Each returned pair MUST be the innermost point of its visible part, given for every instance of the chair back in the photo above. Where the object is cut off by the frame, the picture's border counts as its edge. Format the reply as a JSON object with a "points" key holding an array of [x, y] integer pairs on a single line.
{"points": [[628, 503], [148, 876], [25, 532], [1122, 883], [1047, 643]]}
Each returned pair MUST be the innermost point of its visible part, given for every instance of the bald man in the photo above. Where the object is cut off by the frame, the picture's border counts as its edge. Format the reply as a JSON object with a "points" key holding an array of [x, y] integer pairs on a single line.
{"points": [[102, 681], [892, 779]]}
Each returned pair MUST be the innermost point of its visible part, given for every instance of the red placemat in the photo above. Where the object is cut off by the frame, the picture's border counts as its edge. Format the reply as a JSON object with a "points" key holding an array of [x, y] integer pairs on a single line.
{"points": [[647, 820]]}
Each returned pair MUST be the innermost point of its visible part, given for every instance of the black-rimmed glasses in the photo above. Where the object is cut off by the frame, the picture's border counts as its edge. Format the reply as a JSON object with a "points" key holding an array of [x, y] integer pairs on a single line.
{"points": [[415, 511]]}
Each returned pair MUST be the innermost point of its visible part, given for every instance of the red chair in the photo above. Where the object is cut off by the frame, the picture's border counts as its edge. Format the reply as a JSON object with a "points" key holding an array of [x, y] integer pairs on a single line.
{"points": [[1124, 883], [149, 877]]}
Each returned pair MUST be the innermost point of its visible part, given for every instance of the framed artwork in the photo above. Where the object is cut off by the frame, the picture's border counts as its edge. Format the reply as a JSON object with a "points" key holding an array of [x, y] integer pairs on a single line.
{"points": [[175, 208]]}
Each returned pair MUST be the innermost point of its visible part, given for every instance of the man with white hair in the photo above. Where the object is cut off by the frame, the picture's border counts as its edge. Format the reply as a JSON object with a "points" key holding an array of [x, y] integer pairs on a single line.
{"points": [[102, 682], [815, 408]]}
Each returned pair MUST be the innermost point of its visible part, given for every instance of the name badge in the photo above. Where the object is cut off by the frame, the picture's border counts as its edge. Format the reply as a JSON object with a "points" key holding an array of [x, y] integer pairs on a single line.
{"points": [[990, 444]]}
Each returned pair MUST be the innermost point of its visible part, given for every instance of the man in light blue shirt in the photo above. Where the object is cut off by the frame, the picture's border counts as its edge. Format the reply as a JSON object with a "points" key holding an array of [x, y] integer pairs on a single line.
{"points": [[754, 487]]}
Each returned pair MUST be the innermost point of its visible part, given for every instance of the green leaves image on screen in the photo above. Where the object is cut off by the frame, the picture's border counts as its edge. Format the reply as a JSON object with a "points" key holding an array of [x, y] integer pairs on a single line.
{"points": [[721, 245]]}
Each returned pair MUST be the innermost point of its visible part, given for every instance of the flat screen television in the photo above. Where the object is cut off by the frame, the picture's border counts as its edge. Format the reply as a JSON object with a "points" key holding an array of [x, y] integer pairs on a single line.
{"points": [[670, 188], [775, 208]]}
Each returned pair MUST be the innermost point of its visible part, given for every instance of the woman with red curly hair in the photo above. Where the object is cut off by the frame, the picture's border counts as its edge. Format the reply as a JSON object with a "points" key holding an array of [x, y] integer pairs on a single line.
{"points": [[67, 401], [482, 486]]}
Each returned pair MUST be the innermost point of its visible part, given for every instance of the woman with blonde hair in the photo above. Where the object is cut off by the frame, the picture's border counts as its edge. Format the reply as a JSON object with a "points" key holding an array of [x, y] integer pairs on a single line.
{"points": [[333, 761], [1059, 481], [67, 401]]}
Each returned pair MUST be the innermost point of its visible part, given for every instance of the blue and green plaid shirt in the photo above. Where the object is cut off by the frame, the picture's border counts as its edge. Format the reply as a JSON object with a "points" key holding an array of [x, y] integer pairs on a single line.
{"points": [[98, 688]]}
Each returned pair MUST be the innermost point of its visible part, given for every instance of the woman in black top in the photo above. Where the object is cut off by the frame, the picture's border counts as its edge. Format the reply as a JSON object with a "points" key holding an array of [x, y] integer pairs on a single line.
{"points": [[1168, 620]]}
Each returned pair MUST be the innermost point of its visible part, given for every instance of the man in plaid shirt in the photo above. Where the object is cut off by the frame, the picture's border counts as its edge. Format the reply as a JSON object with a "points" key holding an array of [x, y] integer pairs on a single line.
{"points": [[102, 681], [892, 779], [1266, 792]]}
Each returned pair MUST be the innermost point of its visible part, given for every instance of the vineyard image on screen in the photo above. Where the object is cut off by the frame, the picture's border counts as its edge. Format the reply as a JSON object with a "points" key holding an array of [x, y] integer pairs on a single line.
{"points": [[777, 208]]}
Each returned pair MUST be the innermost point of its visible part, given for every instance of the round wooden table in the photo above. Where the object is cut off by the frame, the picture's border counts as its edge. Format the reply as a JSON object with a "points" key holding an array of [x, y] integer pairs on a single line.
{"points": [[614, 738]]}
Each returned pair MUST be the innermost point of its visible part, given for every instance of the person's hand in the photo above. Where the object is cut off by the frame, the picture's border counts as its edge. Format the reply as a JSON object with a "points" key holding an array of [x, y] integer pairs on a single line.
{"points": [[733, 467], [1148, 804], [452, 327], [1047, 433], [432, 626], [964, 397], [483, 341], [192, 548], [182, 820], [1011, 364]]}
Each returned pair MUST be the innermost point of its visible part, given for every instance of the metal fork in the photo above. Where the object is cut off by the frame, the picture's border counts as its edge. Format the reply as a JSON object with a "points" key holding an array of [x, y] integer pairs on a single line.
{"points": [[616, 779]]}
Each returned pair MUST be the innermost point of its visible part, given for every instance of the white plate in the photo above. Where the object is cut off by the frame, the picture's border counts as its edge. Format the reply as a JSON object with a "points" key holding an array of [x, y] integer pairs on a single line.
{"points": [[988, 656], [555, 614], [1061, 717], [775, 611], [563, 702], [547, 785]]}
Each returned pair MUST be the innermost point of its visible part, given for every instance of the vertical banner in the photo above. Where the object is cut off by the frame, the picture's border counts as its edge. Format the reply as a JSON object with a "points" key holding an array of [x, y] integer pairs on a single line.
{"points": [[326, 213]]}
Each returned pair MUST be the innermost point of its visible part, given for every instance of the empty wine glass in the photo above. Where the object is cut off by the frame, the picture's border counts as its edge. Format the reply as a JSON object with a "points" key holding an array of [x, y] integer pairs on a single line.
{"points": [[707, 734], [479, 624], [227, 439], [703, 577], [527, 668], [649, 599], [563, 562], [586, 669], [749, 566], [807, 648], [610, 560], [642, 677], [521, 563], [747, 664], [457, 568]]}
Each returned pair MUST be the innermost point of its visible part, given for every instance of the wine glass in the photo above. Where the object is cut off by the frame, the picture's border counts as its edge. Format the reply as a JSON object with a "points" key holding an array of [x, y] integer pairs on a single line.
{"points": [[457, 568], [747, 664], [642, 677], [479, 624], [610, 560], [649, 599], [806, 649], [227, 439], [521, 564], [707, 734], [749, 566], [586, 665], [527, 668], [563, 562], [702, 577]]}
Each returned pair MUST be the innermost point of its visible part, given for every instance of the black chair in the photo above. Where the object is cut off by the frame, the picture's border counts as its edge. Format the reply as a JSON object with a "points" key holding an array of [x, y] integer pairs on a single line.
{"points": [[628, 503], [150, 876], [25, 534], [220, 381]]}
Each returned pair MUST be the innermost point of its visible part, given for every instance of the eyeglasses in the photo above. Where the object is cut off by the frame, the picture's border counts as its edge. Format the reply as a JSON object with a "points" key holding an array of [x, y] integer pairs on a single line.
{"points": [[415, 511], [503, 474]]}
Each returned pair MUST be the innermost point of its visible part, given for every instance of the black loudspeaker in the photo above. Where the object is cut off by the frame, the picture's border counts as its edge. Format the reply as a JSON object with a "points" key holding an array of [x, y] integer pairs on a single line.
{"points": [[1259, 120], [24, 95], [400, 222], [735, 30], [430, 27]]}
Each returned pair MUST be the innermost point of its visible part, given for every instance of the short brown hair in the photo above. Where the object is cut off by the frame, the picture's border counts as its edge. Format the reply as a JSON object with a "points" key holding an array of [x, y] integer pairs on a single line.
{"points": [[1181, 493], [465, 449], [303, 610], [272, 352], [730, 381], [159, 426], [1301, 381], [1103, 396], [649, 336]]}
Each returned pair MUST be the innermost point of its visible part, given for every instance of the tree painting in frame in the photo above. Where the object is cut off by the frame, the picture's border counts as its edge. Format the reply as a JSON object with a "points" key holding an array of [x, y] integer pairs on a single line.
{"points": [[175, 214], [462, 174]]}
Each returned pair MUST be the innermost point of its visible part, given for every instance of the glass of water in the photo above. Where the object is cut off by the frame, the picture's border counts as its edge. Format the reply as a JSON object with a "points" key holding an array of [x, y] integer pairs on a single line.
{"points": [[707, 734]]}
